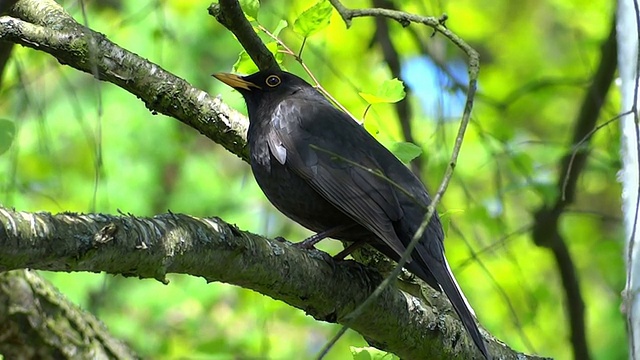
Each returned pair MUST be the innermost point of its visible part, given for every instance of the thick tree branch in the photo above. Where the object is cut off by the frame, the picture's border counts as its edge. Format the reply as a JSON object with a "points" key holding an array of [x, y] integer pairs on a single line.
{"points": [[312, 281], [546, 232], [209, 248], [45, 26], [37, 322], [5, 46], [438, 25], [229, 13]]}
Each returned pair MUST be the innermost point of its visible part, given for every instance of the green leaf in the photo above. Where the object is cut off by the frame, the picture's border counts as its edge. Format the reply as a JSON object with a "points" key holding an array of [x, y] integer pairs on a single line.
{"points": [[244, 64], [445, 219], [282, 24], [547, 190], [372, 127], [250, 8], [406, 151], [313, 19], [7, 134], [390, 91], [370, 353]]}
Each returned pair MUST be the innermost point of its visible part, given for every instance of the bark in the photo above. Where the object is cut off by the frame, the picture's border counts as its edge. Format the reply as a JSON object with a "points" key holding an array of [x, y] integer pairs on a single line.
{"points": [[210, 248], [37, 322]]}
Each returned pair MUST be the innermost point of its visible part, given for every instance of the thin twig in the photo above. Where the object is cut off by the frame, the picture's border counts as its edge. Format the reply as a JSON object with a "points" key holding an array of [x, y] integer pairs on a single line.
{"points": [[298, 58], [392, 58], [474, 65]]}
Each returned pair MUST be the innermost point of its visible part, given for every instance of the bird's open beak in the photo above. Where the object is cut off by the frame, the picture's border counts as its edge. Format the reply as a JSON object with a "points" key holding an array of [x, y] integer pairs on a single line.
{"points": [[235, 81]]}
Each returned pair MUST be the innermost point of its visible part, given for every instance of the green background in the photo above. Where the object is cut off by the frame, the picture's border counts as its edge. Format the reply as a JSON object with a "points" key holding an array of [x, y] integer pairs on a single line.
{"points": [[545, 52]]}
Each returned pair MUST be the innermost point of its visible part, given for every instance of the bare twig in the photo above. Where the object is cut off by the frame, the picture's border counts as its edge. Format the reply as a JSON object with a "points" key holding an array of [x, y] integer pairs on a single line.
{"points": [[298, 58], [474, 65]]}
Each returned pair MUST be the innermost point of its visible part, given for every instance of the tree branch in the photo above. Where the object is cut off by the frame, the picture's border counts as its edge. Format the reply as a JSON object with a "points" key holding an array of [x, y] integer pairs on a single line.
{"points": [[546, 232], [5, 46], [311, 281], [209, 248], [27, 306], [45, 26], [229, 13]]}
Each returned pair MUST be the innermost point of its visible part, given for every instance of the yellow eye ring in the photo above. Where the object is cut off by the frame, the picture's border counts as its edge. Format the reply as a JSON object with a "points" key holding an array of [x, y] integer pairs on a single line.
{"points": [[273, 81]]}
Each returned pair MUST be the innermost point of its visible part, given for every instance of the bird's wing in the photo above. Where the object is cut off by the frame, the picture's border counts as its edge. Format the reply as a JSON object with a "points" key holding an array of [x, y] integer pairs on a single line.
{"points": [[341, 161], [329, 150]]}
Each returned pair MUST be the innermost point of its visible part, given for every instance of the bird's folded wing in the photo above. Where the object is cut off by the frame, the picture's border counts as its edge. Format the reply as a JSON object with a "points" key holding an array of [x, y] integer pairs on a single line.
{"points": [[329, 152]]}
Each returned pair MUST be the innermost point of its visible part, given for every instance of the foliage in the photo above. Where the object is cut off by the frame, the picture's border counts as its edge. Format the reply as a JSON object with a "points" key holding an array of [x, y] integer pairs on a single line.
{"points": [[389, 91], [405, 151], [313, 19], [7, 133], [537, 59]]}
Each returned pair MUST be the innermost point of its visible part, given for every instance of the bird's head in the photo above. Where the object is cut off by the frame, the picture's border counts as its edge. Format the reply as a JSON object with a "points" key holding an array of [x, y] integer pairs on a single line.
{"points": [[267, 87]]}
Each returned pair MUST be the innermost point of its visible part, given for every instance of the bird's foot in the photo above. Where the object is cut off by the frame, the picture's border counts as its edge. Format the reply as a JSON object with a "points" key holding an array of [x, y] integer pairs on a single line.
{"points": [[310, 242]]}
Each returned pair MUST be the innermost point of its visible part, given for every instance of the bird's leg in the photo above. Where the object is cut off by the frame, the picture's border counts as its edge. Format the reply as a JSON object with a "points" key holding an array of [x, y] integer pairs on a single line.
{"points": [[312, 240], [349, 249]]}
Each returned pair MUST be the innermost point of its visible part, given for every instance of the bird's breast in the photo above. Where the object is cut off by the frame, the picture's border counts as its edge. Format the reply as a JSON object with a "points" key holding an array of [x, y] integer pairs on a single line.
{"points": [[293, 196]]}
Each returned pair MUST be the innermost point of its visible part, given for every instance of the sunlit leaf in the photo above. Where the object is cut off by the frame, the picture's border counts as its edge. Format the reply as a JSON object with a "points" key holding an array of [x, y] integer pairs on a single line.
{"points": [[370, 353], [547, 190], [282, 24], [521, 162], [7, 134], [406, 151], [390, 91], [313, 19], [244, 64], [372, 127], [250, 8], [445, 218]]}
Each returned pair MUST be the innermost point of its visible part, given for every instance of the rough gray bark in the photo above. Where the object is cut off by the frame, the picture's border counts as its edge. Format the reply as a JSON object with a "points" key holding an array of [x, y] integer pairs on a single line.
{"points": [[152, 247], [37, 322]]}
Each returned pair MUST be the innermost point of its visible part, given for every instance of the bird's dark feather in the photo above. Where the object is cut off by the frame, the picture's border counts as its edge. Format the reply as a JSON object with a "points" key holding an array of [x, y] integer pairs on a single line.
{"points": [[313, 155], [323, 170]]}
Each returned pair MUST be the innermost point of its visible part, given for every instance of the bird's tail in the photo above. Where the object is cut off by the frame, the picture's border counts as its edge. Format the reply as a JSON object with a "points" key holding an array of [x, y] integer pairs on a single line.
{"points": [[441, 271]]}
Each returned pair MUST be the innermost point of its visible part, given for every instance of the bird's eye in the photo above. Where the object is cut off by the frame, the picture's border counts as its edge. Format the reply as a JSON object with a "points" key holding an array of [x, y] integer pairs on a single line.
{"points": [[273, 81]]}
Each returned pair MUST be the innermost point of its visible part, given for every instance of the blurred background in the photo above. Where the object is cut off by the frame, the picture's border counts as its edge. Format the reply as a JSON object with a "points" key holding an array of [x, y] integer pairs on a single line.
{"points": [[537, 61]]}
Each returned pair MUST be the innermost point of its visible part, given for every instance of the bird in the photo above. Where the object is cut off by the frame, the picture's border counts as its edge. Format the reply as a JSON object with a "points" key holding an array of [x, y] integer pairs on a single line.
{"points": [[324, 170]]}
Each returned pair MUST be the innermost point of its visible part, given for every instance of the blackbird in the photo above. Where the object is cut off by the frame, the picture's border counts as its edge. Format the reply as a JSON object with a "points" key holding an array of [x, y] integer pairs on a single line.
{"points": [[326, 172]]}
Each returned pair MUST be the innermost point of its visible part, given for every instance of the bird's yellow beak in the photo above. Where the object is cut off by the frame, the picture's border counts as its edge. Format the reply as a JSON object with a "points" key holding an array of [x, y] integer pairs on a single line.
{"points": [[235, 81]]}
